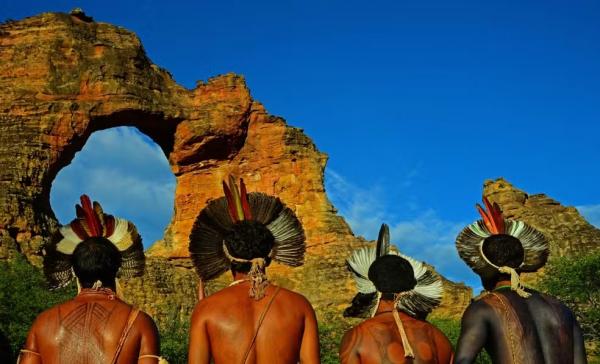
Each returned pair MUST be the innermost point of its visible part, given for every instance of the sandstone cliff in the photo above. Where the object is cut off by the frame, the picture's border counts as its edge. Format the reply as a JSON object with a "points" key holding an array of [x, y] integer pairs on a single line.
{"points": [[568, 232], [63, 77]]}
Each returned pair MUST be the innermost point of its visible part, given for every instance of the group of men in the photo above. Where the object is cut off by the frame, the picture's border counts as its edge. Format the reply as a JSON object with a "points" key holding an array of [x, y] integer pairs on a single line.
{"points": [[255, 321]]}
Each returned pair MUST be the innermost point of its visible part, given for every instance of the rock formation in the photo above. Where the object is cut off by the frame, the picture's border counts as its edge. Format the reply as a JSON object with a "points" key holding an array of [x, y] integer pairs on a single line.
{"points": [[63, 77], [569, 233]]}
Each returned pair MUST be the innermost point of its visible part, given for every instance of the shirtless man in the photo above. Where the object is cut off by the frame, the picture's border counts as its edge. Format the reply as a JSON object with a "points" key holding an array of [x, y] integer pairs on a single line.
{"points": [[252, 320], [96, 326], [512, 323], [397, 331]]}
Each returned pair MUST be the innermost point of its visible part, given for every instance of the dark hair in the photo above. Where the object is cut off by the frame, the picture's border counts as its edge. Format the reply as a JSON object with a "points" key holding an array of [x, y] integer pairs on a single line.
{"points": [[96, 259], [504, 250], [247, 240], [392, 274]]}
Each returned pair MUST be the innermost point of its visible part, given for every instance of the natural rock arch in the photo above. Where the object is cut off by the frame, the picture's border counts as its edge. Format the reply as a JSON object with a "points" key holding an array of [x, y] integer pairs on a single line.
{"points": [[87, 76], [64, 77], [128, 172]]}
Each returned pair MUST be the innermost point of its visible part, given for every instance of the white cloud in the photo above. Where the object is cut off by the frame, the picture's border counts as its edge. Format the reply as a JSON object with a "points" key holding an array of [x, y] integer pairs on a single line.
{"points": [[426, 237], [127, 173], [591, 213]]}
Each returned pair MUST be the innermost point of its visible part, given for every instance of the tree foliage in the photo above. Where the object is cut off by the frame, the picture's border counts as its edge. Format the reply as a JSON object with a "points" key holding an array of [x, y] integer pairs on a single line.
{"points": [[576, 282], [24, 294]]}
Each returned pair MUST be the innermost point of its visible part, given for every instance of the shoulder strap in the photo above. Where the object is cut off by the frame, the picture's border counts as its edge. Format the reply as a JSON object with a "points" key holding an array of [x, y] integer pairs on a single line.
{"points": [[260, 321], [132, 316], [408, 351]]}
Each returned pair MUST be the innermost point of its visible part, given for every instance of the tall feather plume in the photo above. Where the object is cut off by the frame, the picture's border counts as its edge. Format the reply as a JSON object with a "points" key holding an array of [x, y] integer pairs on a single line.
{"points": [[492, 217], [230, 202], [91, 218], [383, 241], [244, 200], [236, 198]]}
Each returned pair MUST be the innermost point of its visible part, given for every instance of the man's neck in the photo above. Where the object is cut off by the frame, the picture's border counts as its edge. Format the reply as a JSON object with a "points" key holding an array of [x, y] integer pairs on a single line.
{"points": [[384, 306], [112, 287], [502, 284]]}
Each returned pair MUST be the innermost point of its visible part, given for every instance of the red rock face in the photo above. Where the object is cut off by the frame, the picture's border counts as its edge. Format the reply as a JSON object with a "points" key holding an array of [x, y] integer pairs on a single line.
{"points": [[63, 77]]}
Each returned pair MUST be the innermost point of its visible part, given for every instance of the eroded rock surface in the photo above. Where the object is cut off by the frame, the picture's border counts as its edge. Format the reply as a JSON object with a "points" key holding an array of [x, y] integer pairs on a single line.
{"points": [[62, 77]]}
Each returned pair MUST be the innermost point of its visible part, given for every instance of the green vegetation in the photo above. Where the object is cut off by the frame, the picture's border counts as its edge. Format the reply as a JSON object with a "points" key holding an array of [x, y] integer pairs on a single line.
{"points": [[576, 282], [174, 337], [332, 328], [23, 295]]}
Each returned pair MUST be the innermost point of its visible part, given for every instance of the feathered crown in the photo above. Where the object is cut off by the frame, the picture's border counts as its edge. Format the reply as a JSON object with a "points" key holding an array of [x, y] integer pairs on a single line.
{"points": [[469, 244], [207, 249], [422, 299], [90, 222]]}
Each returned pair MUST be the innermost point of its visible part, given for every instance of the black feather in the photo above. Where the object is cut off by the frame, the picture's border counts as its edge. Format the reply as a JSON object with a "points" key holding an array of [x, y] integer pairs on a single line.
{"points": [[383, 241]]}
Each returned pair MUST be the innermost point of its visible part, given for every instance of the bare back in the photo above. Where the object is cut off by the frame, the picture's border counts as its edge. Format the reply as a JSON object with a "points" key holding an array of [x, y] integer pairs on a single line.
{"points": [[224, 324], [512, 329], [86, 330], [377, 340]]}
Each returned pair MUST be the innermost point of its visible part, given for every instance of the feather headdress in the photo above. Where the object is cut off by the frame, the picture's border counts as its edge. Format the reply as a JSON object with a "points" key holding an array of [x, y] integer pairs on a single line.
{"points": [[422, 299], [469, 244], [90, 222], [207, 248]]}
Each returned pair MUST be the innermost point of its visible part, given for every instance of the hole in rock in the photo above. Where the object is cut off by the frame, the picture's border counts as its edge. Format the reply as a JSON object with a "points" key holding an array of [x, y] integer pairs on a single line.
{"points": [[127, 173]]}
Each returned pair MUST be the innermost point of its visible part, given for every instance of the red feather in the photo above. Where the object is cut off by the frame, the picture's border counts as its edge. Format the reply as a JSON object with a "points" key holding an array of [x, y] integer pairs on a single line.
{"points": [[92, 220], [109, 223], [79, 212], [490, 214], [230, 202], [485, 218], [79, 230], [245, 202], [497, 214]]}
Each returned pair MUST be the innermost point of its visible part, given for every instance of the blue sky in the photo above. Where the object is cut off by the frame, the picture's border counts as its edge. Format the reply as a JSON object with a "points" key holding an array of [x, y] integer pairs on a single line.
{"points": [[416, 103]]}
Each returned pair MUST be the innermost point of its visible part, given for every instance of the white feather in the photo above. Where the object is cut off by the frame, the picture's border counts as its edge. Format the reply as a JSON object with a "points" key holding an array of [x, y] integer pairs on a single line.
{"points": [[360, 261], [433, 290], [118, 237], [69, 242]]}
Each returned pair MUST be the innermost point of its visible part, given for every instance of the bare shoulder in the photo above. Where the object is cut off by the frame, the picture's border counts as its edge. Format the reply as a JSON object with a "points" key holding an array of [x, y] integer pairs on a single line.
{"points": [[296, 298], [478, 309], [551, 300], [353, 340], [438, 334], [352, 336], [145, 322], [41, 321], [551, 303], [213, 304], [480, 305]]}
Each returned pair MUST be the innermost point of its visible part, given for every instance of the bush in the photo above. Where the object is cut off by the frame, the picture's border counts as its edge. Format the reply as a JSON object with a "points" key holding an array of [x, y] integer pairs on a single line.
{"points": [[576, 282], [174, 338], [331, 331], [24, 294]]}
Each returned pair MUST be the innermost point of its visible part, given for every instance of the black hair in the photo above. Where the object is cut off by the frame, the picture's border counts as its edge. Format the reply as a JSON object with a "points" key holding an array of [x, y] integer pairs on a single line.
{"points": [[392, 274], [504, 250], [247, 240], [96, 259]]}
